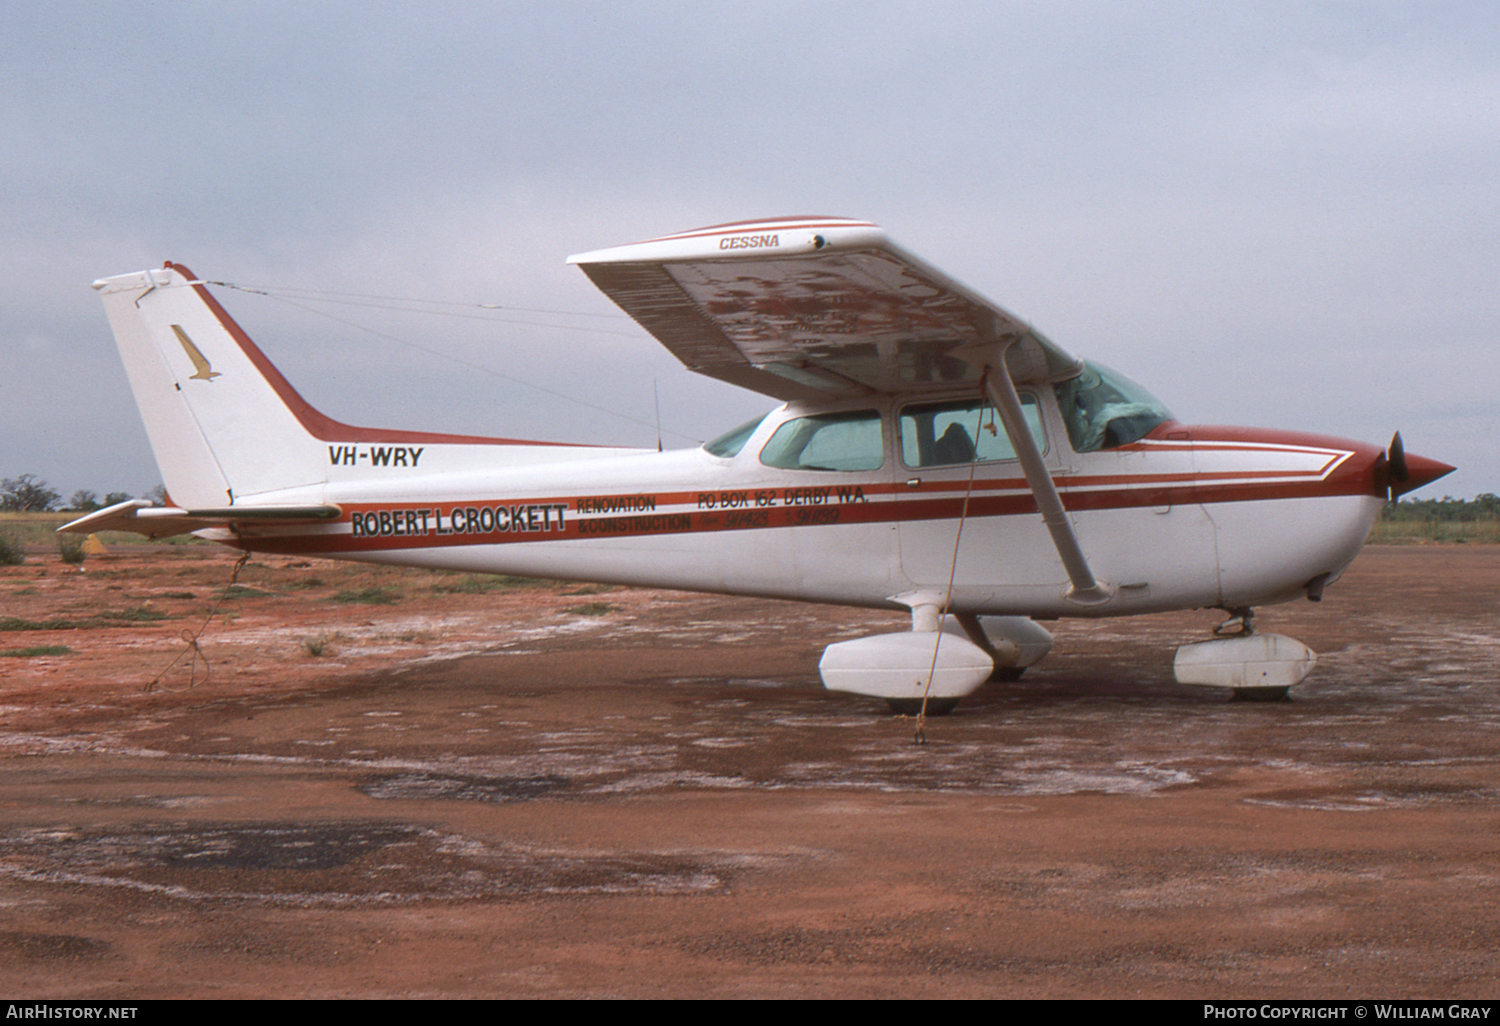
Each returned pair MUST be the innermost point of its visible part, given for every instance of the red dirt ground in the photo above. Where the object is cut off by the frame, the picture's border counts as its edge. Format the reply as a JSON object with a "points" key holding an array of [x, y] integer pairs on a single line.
{"points": [[529, 793]]}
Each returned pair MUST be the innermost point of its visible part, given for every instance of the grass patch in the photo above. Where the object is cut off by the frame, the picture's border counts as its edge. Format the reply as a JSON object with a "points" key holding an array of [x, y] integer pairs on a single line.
{"points": [[591, 609], [16, 623], [1445, 521], [480, 584], [1435, 532], [41, 529], [376, 596], [591, 589], [317, 646], [237, 591], [36, 650], [140, 614]]}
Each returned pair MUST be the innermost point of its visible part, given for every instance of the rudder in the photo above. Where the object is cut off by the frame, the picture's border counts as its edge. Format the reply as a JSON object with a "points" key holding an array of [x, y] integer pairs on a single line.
{"points": [[218, 426]]}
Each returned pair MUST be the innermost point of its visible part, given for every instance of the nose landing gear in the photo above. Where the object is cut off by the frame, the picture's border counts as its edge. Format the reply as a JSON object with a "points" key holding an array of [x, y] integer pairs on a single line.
{"points": [[1255, 667]]}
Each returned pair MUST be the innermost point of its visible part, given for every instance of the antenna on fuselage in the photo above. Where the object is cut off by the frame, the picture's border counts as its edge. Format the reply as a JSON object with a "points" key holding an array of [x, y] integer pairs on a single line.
{"points": [[656, 402]]}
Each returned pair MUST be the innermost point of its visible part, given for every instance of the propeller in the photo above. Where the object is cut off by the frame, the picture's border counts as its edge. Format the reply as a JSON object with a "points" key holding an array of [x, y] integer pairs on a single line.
{"points": [[1399, 473]]}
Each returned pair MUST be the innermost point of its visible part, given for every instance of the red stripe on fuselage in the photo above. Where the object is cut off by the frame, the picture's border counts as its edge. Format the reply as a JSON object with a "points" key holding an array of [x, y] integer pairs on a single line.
{"points": [[435, 525]]}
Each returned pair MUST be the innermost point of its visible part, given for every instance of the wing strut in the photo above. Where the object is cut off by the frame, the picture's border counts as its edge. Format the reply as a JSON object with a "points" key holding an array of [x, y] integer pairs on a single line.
{"points": [[1085, 589]]}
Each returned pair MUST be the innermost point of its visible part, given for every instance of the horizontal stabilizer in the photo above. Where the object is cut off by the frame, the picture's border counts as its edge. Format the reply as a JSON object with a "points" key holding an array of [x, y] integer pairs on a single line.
{"points": [[141, 517]]}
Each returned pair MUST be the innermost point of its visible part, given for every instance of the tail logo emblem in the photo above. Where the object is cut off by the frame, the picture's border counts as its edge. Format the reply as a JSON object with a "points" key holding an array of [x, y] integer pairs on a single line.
{"points": [[201, 368]]}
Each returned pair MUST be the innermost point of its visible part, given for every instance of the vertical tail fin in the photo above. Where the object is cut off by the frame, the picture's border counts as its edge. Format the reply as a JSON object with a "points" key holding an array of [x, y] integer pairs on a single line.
{"points": [[226, 426], [220, 426]]}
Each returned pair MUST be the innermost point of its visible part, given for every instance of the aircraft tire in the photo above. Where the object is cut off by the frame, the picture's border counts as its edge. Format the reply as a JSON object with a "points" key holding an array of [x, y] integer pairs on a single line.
{"points": [[913, 706], [1261, 695], [1008, 673]]}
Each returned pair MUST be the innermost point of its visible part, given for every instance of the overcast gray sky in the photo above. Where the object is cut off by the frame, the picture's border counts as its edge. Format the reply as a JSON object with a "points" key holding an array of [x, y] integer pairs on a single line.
{"points": [[1276, 214]]}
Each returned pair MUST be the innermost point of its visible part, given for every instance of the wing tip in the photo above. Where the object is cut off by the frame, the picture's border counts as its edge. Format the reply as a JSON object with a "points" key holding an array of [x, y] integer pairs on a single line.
{"points": [[789, 235]]}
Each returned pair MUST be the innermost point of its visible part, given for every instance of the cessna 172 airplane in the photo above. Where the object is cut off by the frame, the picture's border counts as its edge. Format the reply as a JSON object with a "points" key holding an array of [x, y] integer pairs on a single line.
{"points": [[933, 452]]}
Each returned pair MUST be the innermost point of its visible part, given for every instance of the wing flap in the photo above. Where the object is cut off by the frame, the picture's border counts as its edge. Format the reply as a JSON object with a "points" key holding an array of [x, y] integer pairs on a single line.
{"points": [[802, 308]]}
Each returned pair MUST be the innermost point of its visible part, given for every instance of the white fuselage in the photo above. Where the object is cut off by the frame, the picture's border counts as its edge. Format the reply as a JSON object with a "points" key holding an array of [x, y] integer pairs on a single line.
{"points": [[1184, 518]]}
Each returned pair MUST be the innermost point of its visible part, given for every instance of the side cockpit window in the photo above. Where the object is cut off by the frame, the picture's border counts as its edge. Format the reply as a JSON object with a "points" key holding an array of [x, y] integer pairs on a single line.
{"points": [[962, 431], [1104, 409], [829, 441]]}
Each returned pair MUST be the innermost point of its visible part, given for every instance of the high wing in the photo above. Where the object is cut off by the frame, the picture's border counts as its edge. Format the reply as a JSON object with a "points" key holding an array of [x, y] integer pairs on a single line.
{"points": [[827, 307], [813, 308], [140, 516]]}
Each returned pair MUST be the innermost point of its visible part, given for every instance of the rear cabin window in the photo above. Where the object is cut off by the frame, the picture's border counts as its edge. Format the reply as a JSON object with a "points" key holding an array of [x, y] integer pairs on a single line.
{"points": [[830, 441], [962, 431]]}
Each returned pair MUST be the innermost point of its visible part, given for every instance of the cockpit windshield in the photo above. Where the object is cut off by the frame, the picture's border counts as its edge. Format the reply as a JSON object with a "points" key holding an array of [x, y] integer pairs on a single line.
{"points": [[1103, 409], [728, 445]]}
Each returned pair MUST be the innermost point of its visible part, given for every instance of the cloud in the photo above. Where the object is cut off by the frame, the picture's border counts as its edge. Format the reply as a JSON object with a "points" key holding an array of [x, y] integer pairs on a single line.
{"points": [[1275, 213]]}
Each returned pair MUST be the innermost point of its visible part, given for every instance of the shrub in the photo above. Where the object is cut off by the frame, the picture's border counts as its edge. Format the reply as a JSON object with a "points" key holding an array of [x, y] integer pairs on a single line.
{"points": [[10, 552], [70, 548]]}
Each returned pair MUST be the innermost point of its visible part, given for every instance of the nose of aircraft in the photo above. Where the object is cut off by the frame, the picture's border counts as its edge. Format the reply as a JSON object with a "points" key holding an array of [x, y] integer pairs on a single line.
{"points": [[1405, 473], [1419, 471]]}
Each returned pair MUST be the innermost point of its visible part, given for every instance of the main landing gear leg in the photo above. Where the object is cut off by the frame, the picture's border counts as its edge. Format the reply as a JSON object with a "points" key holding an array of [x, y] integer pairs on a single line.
{"points": [[1241, 622], [1013, 642]]}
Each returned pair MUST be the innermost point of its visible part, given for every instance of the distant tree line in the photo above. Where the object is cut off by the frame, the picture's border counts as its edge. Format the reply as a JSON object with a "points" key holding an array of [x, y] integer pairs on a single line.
{"points": [[30, 494], [1447, 509]]}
